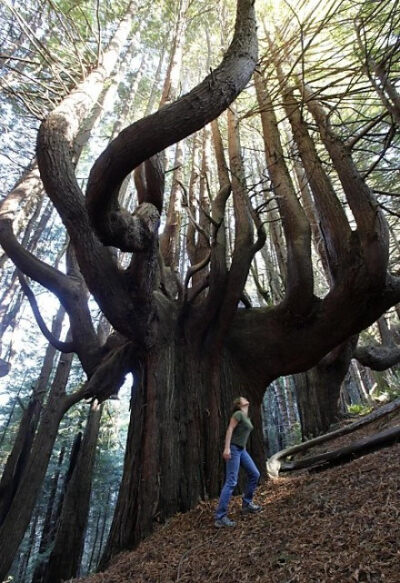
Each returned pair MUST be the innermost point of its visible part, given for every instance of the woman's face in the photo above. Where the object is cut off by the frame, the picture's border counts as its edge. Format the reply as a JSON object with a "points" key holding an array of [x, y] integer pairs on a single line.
{"points": [[244, 402]]}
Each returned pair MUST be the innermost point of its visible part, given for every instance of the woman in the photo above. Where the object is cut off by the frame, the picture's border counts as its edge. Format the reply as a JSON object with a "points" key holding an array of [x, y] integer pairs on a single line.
{"points": [[235, 455]]}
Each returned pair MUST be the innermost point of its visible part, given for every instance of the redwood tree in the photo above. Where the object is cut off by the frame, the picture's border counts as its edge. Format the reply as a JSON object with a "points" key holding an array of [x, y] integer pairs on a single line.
{"points": [[192, 350]]}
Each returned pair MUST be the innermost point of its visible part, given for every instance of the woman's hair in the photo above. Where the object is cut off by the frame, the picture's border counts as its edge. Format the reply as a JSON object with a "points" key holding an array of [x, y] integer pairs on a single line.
{"points": [[236, 404]]}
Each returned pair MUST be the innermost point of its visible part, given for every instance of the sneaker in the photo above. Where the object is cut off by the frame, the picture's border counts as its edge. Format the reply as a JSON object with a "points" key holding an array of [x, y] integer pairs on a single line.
{"points": [[224, 521], [250, 508]]}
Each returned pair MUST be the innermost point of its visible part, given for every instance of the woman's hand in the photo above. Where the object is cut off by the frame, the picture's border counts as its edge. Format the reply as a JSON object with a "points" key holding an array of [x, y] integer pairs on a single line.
{"points": [[227, 454]]}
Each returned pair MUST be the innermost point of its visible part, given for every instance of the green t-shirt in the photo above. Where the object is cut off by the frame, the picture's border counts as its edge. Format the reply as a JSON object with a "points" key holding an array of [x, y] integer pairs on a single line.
{"points": [[242, 430]]}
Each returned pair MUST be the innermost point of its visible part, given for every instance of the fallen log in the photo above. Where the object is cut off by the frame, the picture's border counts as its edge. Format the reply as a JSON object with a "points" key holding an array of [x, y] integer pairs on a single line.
{"points": [[275, 463], [347, 453]]}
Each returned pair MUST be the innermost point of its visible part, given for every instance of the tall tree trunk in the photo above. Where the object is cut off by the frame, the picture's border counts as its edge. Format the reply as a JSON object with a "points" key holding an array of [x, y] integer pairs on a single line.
{"points": [[299, 289], [65, 557], [173, 75], [24, 561], [105, 519], [19, 514], [93, 542], [54, 508], [20, 452], [169, 240], [6, 425], [49, 520]]}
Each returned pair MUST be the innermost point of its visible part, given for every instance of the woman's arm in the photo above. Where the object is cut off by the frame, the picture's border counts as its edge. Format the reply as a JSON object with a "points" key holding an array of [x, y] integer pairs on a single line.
{"points": [[227, 449]]}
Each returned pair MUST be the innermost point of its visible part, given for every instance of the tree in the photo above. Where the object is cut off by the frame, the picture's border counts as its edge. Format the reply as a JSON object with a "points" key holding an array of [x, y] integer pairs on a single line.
{"points": [[66, 553], [79, 105], [193, 350]]}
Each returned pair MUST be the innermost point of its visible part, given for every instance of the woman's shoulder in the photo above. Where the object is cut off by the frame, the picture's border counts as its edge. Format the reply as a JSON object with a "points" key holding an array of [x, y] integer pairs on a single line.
{"points": [[238, 415]]}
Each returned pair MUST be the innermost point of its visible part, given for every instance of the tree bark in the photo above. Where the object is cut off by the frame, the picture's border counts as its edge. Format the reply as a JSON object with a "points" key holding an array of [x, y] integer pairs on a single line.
{"points": [[318, 391], [24, 561], [65, 557], [190, 358], [175, 433], [299, 288], [20, 452], [49, 521]]}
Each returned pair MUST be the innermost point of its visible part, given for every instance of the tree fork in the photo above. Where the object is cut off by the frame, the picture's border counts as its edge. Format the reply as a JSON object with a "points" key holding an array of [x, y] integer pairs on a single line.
{"points": [[299, 291], [372, 228]]}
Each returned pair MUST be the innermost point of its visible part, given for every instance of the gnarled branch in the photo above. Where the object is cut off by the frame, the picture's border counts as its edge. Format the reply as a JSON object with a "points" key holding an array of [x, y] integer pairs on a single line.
{"points": [[61, 346], [378, 357], [152, 134]]}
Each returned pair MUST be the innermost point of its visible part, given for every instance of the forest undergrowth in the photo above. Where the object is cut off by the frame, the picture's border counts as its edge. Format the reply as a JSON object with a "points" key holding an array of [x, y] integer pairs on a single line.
{"points": [[340, 525]]}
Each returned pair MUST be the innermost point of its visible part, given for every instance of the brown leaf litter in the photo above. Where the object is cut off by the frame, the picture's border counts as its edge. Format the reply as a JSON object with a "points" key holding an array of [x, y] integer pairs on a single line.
{"points": [[336, 526]]}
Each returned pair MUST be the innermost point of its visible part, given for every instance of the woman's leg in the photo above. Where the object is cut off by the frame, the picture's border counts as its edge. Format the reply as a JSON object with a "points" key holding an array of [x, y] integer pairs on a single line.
{"points": [[253, 475], [232, 472]]}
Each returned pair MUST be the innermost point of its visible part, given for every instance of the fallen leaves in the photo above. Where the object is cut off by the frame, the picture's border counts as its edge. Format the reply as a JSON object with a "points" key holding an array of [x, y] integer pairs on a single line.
{"points": [[338, 526]]}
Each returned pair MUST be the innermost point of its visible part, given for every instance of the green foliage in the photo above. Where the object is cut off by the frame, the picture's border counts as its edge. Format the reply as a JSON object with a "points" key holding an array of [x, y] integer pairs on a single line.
{"points": [[360, 409]]}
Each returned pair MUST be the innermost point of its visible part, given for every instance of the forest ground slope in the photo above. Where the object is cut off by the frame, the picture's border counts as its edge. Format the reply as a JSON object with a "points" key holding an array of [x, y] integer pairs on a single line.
{"points": [[340, 525]]}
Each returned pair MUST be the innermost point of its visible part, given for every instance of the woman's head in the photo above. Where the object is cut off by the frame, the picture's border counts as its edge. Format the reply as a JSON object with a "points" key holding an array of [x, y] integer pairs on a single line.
{"points": [[239, 402]]}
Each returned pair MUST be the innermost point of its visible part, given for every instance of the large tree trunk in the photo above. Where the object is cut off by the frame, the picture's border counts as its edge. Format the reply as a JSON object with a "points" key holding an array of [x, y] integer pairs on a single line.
{"points": [[318, 391], [173, 457], [24, 560]]}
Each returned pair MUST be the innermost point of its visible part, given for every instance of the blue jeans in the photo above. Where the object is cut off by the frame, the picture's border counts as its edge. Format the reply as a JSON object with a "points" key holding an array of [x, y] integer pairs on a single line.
{"points": [[239, 457]]}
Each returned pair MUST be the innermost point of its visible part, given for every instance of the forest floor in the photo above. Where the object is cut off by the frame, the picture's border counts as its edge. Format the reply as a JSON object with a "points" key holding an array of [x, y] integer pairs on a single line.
{"points": [[339, 525]]}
